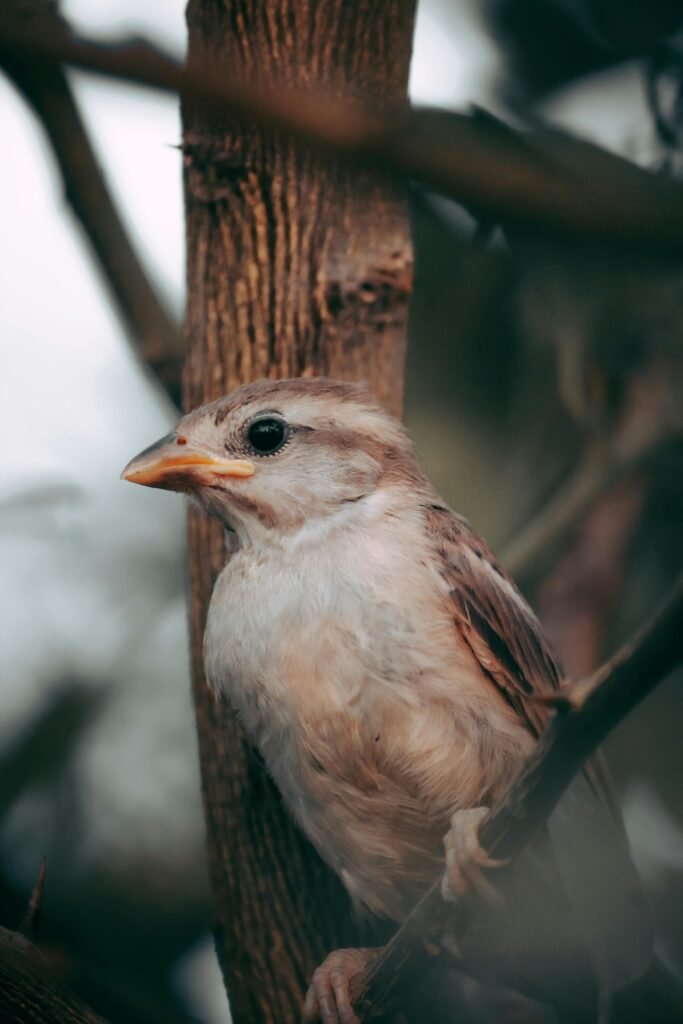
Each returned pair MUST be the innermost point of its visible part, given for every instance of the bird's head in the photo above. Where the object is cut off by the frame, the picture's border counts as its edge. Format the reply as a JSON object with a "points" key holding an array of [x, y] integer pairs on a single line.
{"points": [[274, 455]]}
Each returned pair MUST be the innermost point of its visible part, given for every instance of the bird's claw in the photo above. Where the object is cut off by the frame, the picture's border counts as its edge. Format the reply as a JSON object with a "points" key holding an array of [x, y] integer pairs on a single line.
{"points": [[329, 997], [466, 858]]}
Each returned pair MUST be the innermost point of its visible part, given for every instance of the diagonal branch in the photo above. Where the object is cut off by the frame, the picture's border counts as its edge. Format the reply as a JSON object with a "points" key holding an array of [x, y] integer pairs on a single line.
{"points": [[30, 992], [588, 712], [650, 418], [600, 467], [540, 178], [150, 326]]}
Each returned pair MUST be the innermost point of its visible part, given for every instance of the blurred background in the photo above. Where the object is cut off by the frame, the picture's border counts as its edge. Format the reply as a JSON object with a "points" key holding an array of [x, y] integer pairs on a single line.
{"points": [[542, 376]]}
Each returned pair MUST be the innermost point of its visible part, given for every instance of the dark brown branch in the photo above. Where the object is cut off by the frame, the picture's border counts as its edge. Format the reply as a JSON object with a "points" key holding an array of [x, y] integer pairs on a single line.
{"points": [[577, 600], [156, 337], [28, 993], [540, 178], [592, 709]]}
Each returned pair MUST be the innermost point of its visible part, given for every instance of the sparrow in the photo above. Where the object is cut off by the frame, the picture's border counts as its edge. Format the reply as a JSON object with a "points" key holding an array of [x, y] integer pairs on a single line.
{"points": [[373, 648]]}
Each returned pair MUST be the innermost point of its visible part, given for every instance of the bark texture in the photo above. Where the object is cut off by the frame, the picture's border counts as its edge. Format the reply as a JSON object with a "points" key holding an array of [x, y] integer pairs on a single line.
{"points": [[296, 266], [28, 992]]}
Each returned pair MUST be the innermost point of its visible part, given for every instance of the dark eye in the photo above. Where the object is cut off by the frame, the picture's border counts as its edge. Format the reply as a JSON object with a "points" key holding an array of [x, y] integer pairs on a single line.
{"points": [[268, 435]]}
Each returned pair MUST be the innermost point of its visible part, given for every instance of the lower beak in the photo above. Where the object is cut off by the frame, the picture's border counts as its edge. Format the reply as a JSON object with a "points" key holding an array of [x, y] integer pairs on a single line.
{"points": [[174, 466]]}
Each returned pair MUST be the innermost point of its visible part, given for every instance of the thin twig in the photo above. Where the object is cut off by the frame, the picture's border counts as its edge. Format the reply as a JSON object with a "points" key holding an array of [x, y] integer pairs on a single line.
{"points": [[598, 469], [29, 925], [601, 465], [592, 709], [541, 178], [152, 330]]}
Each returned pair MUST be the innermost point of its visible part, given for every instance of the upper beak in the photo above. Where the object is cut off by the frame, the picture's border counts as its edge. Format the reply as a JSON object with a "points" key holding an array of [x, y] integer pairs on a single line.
{"points": [[174, 465]]}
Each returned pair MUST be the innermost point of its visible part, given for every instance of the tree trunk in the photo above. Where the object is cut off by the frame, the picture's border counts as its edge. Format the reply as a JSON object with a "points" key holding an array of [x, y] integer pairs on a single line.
{"points": [[295, 266]]}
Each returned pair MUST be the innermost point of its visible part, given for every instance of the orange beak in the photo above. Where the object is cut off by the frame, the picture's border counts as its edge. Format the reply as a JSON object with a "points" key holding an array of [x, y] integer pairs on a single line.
{"points": [[173, 466]]}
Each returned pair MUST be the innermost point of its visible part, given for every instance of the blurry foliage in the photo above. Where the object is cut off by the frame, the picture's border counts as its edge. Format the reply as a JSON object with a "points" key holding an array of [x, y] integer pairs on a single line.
{"points": [[546, 43]]}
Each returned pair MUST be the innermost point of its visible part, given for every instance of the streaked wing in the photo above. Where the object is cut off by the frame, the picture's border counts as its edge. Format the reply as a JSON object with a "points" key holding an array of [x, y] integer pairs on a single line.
{"points": [[589, 842], [493, 618], [502, 631]]}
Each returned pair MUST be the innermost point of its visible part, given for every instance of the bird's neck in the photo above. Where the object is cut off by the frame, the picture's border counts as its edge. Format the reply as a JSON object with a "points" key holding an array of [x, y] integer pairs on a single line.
{"points": [[318, 529]]}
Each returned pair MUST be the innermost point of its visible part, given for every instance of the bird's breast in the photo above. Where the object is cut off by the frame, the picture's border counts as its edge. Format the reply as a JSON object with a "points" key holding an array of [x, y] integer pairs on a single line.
{"points": [[295, 634], [347, 674]]}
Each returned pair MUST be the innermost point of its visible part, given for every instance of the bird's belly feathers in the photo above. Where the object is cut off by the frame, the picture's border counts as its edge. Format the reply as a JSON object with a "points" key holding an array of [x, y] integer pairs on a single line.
{"points": [[368, 715]]}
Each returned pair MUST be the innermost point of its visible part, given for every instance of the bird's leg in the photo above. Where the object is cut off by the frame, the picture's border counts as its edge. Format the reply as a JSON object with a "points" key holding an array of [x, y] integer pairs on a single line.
{"points": [[329, 996], [465, 857]]}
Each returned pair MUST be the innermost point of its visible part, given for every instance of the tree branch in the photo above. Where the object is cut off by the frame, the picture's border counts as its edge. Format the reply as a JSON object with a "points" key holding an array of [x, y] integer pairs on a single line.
{"points": [[650, 418], [154, 334], [29, 994], [539, 178], [589, 710], [600, 467]]}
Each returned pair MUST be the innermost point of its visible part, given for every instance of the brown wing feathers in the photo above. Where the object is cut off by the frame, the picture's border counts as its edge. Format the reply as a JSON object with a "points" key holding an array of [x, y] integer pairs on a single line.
{"points": [[502, 632], [494, 619]]}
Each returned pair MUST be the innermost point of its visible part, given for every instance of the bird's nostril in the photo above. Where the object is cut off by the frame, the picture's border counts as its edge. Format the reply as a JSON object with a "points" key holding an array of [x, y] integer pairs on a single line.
{"points": [[181, 440]]}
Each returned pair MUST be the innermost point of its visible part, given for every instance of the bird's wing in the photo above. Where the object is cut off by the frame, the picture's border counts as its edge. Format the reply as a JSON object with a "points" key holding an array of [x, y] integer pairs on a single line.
{"points": [[493, 618], [502, 631], [590, 846]]}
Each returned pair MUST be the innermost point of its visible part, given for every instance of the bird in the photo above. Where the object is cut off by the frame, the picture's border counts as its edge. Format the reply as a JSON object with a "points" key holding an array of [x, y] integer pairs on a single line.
{"points": [[375, 651]]}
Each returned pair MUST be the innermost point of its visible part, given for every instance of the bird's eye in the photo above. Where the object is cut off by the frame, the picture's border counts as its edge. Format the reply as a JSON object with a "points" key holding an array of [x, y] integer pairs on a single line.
{"points": [[268, 435]]}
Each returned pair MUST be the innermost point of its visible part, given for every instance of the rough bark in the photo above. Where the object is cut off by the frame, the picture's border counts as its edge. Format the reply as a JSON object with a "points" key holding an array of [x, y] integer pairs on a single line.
{"points": [[28, 992], [296, 266]]}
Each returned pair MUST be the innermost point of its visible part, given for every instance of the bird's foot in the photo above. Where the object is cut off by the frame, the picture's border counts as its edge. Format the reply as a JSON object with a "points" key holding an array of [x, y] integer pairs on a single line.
{"points": [[334, 984], [466, 858]]}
